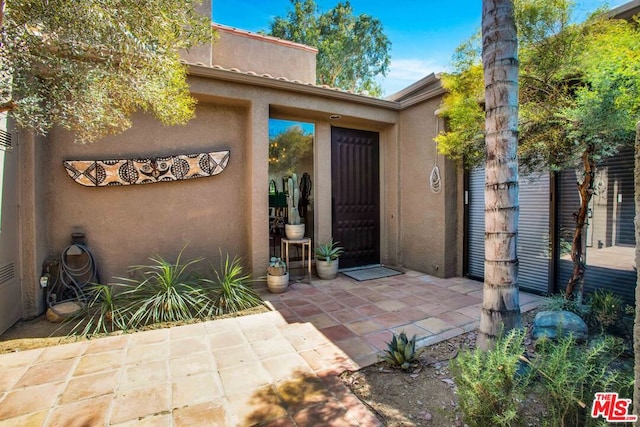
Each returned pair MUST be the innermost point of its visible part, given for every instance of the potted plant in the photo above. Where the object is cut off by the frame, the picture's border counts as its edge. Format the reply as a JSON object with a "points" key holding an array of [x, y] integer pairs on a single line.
{"points": [[277, 276], [327, 255], [294, 229]]}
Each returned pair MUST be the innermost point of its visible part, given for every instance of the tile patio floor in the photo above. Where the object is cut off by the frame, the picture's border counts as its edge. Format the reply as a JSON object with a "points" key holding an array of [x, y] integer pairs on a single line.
{"points": [[361, 317], [270, 369]]}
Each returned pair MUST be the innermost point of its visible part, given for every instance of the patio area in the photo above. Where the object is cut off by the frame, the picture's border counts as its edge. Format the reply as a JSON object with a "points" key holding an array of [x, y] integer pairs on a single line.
{"points": [[277, 368], [361, 317]]}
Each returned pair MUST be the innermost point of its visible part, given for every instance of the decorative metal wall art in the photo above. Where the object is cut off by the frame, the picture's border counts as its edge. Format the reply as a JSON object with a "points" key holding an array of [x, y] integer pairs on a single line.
{"points": [[105, 173]]}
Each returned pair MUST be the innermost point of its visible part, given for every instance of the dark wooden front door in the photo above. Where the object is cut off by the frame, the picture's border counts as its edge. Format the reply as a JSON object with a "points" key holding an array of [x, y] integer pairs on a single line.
{"points": [[355, 192]]}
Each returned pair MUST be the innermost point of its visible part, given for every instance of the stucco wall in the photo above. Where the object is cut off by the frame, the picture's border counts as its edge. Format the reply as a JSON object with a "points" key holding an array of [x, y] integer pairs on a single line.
{"points": [[429, 221], [126, 225], [263, 55]]}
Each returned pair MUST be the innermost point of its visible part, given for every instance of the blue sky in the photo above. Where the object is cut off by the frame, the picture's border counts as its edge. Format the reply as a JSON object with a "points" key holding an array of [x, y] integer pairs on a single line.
{"points": [[423, 33]]}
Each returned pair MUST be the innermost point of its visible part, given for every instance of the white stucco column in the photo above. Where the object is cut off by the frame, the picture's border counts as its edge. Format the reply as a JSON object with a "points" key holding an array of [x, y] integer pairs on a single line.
{"points": [[258, 179]]}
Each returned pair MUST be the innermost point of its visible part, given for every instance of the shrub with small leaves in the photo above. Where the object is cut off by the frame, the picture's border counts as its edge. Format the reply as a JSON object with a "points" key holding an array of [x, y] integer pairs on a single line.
{"points": [[401, 352], [489, 386], [606, 309]]}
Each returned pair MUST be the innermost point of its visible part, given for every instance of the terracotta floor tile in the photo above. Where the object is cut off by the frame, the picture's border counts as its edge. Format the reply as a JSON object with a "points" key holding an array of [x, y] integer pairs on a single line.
{"points": [[149, 337], [337, 333], [10, 377], [260, 407], [389, 320], [247, 376], [412, 314], [391, 305], [204, 414], [89, 386], [379, 339], [347, 315], [303, 311], [362, 327], [356, 347], [411, 330], [47, 372], [262, 333], [377, 297], [97, 362], [196, 389], [412, 300], [285, 421], [193, 364], [180, 347], [287, 367], [20, 358], [322, 320], [145, 353], [30, 399], [333, 305], [34, 419], [225, 339], [329, 413], [107, 344], [354, 302], [371, 310], [433, 309], [455, 318], [141, 402], [301, 392], [157, 420], [234, 356], [278, 346], [304, 336], [65, 351], [187, 331], [434, 325], [136, 376], [89, 412]]}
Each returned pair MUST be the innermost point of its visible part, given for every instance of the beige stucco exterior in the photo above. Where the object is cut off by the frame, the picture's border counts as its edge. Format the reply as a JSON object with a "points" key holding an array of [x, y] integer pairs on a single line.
{"points": [[124, 226]]}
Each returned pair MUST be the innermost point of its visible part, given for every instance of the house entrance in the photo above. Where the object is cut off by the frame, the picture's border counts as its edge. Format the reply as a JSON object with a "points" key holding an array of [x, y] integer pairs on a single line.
{"points": [[355, 195]]}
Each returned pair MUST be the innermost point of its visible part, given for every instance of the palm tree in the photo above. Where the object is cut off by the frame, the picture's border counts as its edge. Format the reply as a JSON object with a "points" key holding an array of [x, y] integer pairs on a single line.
{"points": [[500, 305]]}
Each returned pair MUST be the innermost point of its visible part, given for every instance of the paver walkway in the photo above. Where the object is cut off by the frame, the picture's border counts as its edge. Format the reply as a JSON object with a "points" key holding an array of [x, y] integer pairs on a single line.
{"points": [[273, 369], [361, 317]]}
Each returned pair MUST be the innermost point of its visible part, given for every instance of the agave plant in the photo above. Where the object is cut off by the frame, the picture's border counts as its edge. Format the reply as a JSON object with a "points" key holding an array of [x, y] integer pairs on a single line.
{"points": [[401, 352], [329, 251], [231, 288]]}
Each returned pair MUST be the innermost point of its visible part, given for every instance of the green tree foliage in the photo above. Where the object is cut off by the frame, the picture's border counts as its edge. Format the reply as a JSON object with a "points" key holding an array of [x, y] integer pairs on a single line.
{"points": [[87, 65], [579, 85], [288, 148], [579, 99], [352, 50]]}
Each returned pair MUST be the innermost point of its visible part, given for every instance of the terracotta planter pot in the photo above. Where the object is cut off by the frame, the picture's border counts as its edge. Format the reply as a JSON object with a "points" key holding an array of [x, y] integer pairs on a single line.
{"points": [[294, 231], [277, 284], [327, 269]]}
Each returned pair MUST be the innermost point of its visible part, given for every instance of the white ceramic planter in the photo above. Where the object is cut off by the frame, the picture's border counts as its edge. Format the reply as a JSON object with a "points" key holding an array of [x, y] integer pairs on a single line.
{"points": [[277, 284], [327, 270], [294, 231]]}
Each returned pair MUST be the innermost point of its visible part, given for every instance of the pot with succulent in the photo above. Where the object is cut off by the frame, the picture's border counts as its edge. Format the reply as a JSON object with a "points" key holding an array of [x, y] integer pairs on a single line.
{"points": [[277, 276], [327, 255], [294, 228]]}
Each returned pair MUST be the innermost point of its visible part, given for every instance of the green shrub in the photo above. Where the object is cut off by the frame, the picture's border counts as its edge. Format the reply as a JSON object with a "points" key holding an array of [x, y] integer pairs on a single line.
{"points": [[401, 352], [558, 302], [572, 374], [606, 309], [165, 292], [105, 312], [231, 290], [488, 386]]}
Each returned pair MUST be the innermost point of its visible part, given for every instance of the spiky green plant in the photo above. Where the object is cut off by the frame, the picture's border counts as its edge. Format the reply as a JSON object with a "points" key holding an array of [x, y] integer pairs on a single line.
{"points": [[104, 313], [231, 288], [329, 251], [401, 352], [166, 292]]}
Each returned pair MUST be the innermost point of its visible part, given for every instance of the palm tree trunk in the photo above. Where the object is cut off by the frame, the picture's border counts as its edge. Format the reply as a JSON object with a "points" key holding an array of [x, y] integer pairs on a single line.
{"points": [[585, 188], [500, 305]]}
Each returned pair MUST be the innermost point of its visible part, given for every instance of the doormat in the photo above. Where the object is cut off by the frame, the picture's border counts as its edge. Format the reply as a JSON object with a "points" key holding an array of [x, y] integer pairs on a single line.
{"points": [[370, 273]]}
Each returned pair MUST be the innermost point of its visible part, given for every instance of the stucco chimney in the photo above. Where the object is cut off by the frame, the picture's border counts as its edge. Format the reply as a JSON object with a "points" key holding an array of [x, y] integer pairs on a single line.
{"points": [[200, 53]]}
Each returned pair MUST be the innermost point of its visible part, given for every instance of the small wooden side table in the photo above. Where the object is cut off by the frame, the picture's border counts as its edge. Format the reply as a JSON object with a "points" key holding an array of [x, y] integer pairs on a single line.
{"points": [[304, 242]]}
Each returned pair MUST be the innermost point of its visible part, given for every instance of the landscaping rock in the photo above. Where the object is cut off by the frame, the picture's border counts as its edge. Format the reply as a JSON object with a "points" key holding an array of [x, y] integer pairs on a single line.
{"points": [[558, 324]]}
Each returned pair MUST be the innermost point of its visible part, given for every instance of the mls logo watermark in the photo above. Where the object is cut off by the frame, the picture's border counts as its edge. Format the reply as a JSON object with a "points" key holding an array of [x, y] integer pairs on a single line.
{"points": [[612, 408]]}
